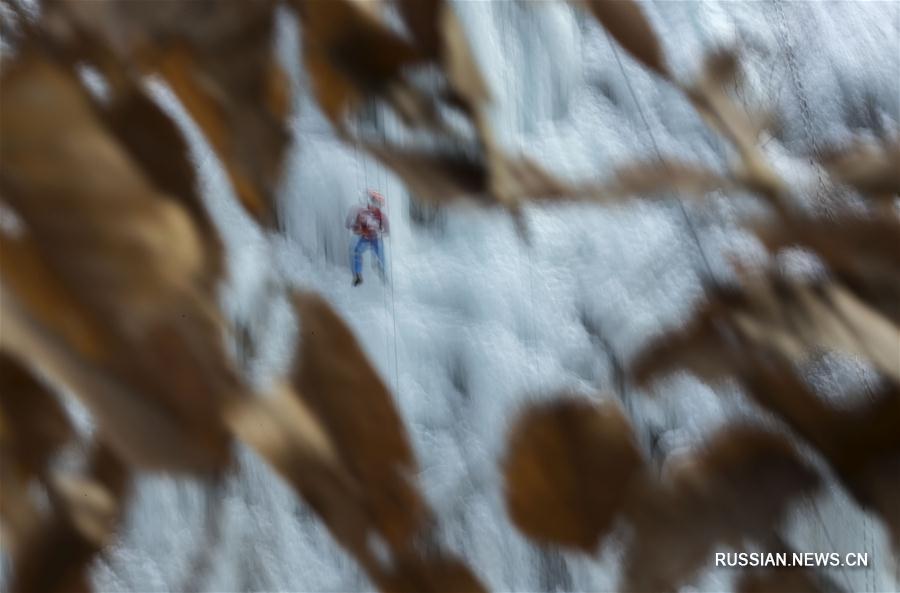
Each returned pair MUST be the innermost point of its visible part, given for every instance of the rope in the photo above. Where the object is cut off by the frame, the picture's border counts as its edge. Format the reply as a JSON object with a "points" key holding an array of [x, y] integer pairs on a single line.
{"points": [[391, 266], [364, 157], [356, 161], [381, 179], [394, 316], [534, 337], [512, 122], [806, 113], [684, 213], [815, 506], [384, 295]]}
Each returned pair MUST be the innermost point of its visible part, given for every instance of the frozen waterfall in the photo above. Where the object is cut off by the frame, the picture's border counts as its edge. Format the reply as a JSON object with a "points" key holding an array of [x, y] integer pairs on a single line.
{"points": [[475, 323]]}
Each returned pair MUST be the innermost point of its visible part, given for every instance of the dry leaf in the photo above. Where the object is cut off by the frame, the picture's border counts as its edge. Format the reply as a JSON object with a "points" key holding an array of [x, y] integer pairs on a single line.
{"points": [[91, 507], [737, 489], [862, 443], [755, 337], [218, 58], [57, 554], [568, 470], [780, 316], [125, 261], [435, 178], [33, 428], [862, 253], [33, 425], [345, 393], [422, 19], [871, 169], [461, 69], [350, 54], [663, 177], [155, 142], [281, 428], [701, 346], [249, 140], [795, 320], [720, 111], [442, 574], [626, 22]]}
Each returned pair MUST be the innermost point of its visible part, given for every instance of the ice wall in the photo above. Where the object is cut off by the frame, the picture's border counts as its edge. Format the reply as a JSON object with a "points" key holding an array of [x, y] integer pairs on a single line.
{"points": [[474, 323]]}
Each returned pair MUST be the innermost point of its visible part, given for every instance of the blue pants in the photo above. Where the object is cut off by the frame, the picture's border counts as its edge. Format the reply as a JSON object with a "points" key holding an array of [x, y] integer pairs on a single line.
{"points": [[363, 243]]}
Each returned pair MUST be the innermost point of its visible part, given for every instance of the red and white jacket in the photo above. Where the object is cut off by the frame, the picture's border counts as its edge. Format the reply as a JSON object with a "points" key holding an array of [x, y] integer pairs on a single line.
{"points": [[368, 222]]}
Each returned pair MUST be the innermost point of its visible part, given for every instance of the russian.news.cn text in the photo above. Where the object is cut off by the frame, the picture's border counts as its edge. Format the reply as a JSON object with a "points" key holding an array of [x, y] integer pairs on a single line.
{"points": [[792, 560]]}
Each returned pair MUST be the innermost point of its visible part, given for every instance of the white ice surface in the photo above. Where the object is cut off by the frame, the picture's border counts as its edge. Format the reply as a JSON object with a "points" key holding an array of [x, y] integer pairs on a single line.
{"points": [[475, 323]]}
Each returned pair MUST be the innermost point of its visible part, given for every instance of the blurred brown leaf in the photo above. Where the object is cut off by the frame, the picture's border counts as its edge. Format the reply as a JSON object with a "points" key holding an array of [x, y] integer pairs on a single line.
{"points": [[25, 273], [442, 177], [778, 315], [68, 180], [462, 70], [568, 470], [441, 574], [357, 411], [218, 59], [745, 477], [249, 140], [157, 145], [34, 426], [696, 347], [626, 22], [422, 19], [736, 489], [861, 443], [283, 430], [435, 178], [350, 54], [877, 486], [103, 246], [794, 320], [56, 555], [741, 127], [862, 252], [641, 179], [873, 170], [352, 500]]}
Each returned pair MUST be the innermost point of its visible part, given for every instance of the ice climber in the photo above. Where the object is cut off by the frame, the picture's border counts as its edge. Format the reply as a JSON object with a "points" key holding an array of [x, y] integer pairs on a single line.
{"points": [[368, 223]]}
